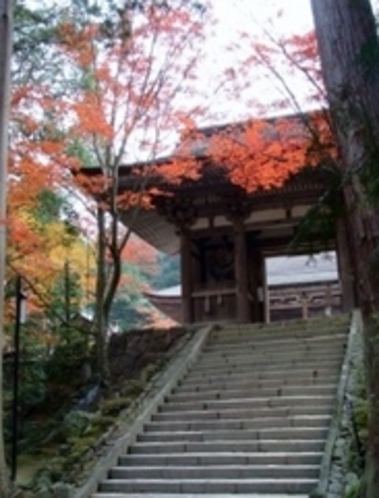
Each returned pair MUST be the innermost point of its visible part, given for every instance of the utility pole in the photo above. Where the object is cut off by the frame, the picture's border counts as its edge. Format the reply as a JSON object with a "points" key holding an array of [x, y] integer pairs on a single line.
{"points": [[5, 63]]}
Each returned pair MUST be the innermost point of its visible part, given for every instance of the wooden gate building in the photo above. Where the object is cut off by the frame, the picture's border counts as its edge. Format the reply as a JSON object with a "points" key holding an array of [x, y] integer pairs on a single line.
{"points": [[223, 235]]}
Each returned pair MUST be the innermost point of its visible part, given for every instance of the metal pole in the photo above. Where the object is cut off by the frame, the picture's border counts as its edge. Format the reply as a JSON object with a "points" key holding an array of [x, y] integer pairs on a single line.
{"points": [[5, 55], [16, 375], [67, 292]]}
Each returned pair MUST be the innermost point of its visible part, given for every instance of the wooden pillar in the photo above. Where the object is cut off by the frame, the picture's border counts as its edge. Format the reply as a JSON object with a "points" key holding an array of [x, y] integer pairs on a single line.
{"points": [[186, 276], [257, 290], [241, 273], [328, 300], [345, 267], [266, 293]]}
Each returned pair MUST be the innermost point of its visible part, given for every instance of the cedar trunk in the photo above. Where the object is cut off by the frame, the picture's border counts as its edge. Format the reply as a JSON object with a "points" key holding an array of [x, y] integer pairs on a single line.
{"points": [[349, 51], [5, 56]]}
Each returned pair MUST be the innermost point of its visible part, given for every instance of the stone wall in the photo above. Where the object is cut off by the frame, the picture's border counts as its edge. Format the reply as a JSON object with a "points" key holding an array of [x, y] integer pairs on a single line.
{"points": [[130, 352], [344, 465]]}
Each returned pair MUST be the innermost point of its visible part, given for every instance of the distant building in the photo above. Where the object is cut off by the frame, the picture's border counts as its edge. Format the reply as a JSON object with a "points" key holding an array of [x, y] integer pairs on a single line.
{"points": [[296, 285]]}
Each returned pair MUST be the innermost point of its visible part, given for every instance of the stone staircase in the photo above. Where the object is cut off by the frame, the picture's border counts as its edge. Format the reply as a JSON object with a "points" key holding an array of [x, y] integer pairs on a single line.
{"points": [[250, 418]]}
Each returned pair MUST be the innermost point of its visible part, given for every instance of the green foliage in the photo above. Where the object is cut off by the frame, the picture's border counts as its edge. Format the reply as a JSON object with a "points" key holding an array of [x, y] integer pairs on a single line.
{"points": [[63, 366], [80, 151], [113, 407], [77, 423], [358, 435], [32, 384], [47, 475], [35, 58], [51, 207], [361, 418], [318, 228], [368, 175], [150, 371], [65, 301], [354, 490], [130, 307], [168, 271], [48, 207], [126, 313], [102, 422]]}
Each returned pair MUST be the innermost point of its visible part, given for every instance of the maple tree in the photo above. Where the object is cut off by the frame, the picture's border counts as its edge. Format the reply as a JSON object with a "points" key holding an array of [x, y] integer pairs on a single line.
{"points": [[41, 245], [127, 99], [265, 152], [44, 147], [130, 309], [37, 155]]}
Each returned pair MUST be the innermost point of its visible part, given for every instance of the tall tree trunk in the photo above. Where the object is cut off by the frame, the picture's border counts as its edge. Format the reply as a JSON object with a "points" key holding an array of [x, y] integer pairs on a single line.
{"points": [[101, 317], [5, 56], [349, 51], [108, 278]]}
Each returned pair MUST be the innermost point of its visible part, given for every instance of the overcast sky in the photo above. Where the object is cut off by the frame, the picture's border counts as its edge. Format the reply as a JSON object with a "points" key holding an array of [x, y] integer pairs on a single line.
{"points": [[280, 18], [227, 48]]}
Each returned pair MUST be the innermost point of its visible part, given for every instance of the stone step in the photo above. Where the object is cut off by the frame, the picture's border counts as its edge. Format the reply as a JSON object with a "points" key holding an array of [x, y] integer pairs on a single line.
{"points": [[223, 458], [208, 485], [316, 322], [291, 344], [302, 421], [259, 361], [294, 373], [247, 356], [250, 418], [217, 472], [252, 383], [235, 435], [227, 446], [251, 413], [191, 495], [251, 349], [266, 364], [252, 391], [277, 327], [248, 403], [234, 347], [287, 346], [226, 337]]}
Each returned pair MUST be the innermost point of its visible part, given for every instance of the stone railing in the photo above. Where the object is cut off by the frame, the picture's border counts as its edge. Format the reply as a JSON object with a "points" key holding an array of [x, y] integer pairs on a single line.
{"points": [[335, 475]]}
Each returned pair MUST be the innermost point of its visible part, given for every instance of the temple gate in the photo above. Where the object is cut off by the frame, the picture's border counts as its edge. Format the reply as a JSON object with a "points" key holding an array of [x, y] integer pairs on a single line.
{"points": [[223, 236]]}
